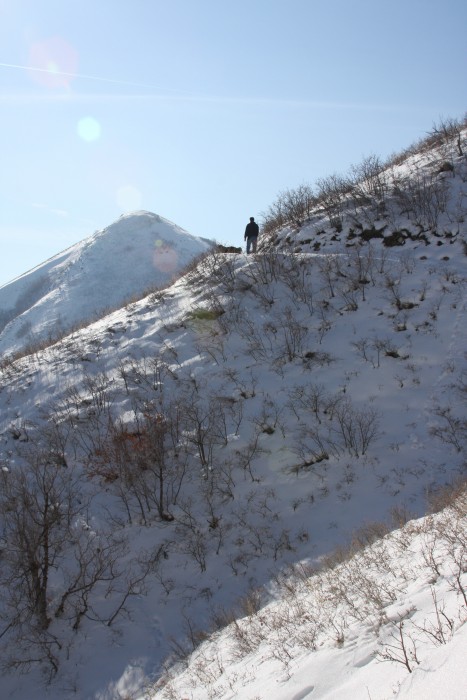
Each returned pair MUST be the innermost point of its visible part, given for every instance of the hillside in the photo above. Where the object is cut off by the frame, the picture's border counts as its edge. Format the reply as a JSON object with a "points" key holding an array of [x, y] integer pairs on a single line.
{"points": [[220, 438], [384, 619], [138, 252]]}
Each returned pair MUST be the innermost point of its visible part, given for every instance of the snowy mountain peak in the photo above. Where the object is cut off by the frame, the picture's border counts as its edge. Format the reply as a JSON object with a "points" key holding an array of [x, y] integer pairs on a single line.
{"points": [[137, 252]]}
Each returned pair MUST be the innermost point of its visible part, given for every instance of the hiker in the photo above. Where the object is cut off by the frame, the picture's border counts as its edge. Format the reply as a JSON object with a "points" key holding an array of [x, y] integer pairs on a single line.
{"points": [[251, 235]]}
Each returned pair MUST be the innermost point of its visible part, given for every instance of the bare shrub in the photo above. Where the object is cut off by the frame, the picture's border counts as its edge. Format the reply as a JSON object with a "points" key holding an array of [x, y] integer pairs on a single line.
{"points": [[422, 196], [371, 349], [336, 425], [369, 180], [329, 268], [368, 534], [146, 467], [441, 629], [448, 131], [217, 268], [452, 429], [332, 195], [265, 269], [403, 649], [297, 277], [356, 428], [298, 203], [38, 509], [291, 206], [205, 427], [447, 495], [361, 266], [55, 567], [311, 398], [292, 335]]}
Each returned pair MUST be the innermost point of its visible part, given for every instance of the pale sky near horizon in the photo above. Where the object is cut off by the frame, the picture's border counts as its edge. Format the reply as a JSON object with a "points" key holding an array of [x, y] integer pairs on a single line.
{"points": [[203, 111]]}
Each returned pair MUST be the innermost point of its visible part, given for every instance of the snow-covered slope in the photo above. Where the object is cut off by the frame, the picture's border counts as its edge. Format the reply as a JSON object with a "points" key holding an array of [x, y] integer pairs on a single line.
{"points": [[140, 251], [390, 621], [195, 447]]}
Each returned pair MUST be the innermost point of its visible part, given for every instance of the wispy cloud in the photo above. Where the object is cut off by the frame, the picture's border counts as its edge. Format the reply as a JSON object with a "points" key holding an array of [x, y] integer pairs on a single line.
{"points": [[272, 102], [164, 94], [76, 75], [61, 213]]}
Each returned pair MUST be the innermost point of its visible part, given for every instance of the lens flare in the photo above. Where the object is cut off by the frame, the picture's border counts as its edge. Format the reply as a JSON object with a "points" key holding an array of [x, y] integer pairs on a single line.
{"points": [[89, 129], [53, 62], [165, 257]]}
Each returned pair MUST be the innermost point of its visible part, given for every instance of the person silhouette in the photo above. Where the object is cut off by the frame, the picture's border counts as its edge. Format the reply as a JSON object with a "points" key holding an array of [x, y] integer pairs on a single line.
{"points": [[251, 235]]}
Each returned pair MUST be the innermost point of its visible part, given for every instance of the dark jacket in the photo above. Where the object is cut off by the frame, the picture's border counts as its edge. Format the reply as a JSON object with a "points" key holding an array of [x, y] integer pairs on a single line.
{"points": [[252, 230]]}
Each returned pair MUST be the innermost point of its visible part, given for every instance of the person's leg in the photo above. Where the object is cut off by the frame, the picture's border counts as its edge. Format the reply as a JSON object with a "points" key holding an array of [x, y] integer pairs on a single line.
{"points": [[254, 242], [248, 244]]}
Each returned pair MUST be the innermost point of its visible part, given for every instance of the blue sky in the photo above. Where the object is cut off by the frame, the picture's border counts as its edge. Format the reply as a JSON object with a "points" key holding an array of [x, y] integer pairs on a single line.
{"points": [[202, 111]]}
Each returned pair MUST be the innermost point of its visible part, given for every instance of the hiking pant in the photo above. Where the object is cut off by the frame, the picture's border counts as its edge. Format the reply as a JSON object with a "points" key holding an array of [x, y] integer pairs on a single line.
{"points": [[251, 242]]}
